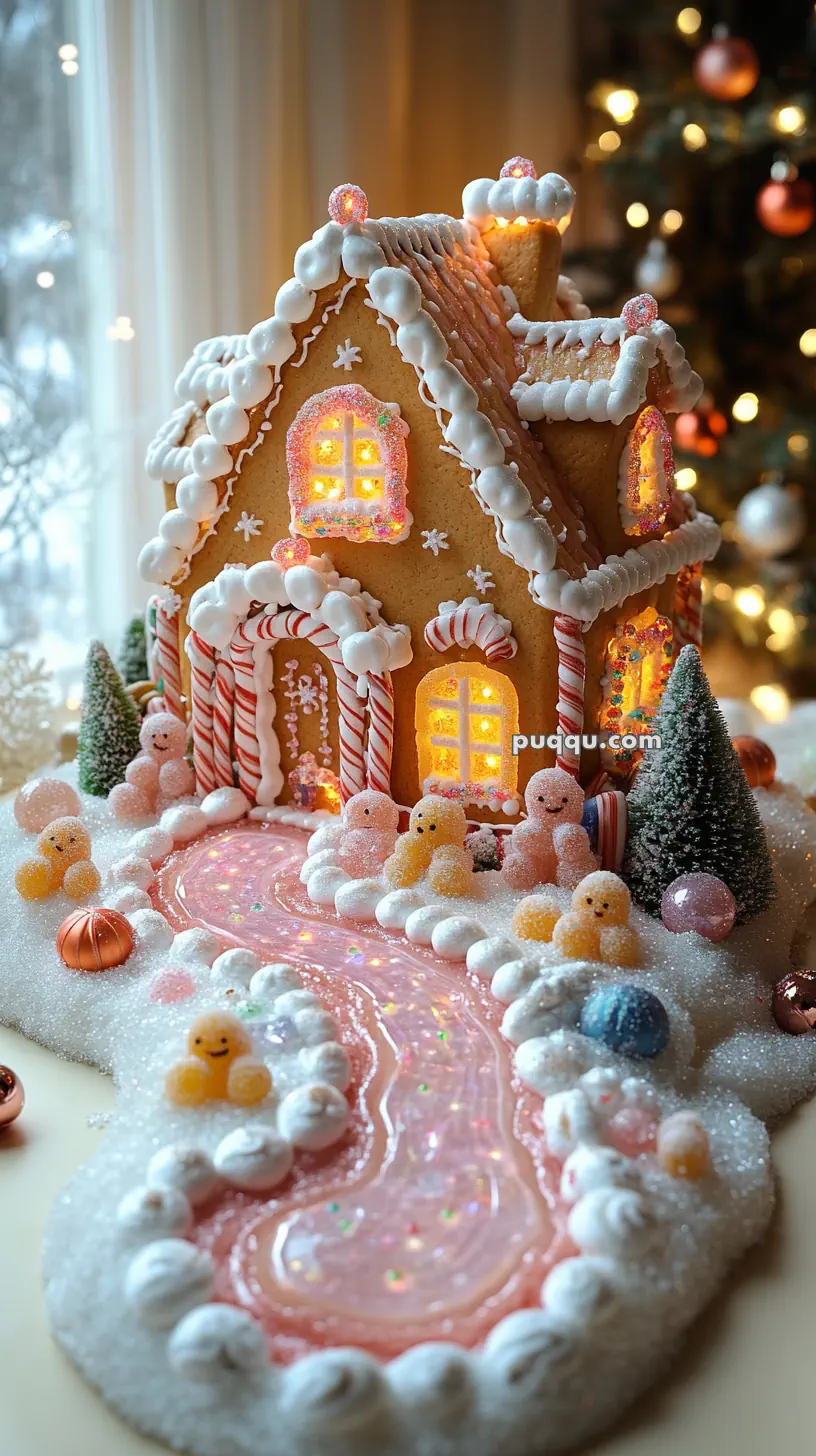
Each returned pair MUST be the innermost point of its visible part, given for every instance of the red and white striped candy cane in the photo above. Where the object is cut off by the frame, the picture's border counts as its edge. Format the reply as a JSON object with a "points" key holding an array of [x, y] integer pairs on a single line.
{"points": [[202, 671], [222, 721], [245, 728], [571, 678], [688, 610], [471, 626], [380, 749], [167, 658]]}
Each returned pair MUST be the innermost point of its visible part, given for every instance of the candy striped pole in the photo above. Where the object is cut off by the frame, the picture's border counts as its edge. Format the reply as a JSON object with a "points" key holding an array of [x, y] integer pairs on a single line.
{"points": [[245, 727], [167, 658], [380, 748], [569, 640], [202, 670], [222, 722]]}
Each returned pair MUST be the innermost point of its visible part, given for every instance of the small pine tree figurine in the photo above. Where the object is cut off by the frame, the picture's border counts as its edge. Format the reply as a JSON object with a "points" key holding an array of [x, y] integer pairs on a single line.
{"points": [[132, 662], [482, 845], [690, 808], [109, 731]]}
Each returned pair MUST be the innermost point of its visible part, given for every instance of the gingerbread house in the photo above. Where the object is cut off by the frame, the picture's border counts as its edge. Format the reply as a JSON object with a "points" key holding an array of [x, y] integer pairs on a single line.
{"points": [[424, 510]]}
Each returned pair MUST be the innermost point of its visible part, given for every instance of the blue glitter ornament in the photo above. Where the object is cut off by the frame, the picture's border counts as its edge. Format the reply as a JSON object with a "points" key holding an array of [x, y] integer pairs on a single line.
{"points": [[627, 1019]]}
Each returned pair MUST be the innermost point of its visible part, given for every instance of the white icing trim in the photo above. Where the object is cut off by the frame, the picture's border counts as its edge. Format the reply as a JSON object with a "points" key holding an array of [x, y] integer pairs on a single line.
{"points": [[167, 459], [570, 299], [549, 198], [603, 399]]}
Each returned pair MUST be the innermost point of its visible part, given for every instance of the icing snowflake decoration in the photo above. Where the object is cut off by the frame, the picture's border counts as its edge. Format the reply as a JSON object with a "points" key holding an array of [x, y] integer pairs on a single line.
{"points": [[307, 695], [482, 579], [435, 541], [347, 355], [249, 525]]}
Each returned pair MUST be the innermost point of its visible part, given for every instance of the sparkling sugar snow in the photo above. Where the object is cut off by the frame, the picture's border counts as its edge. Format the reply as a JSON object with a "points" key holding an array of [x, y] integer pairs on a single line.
{"points": [[130, 1299]]}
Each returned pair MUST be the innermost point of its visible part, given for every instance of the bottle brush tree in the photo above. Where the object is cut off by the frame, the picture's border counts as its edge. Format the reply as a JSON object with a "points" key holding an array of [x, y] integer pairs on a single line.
{"points": [[132, 661], [109, 731], [691, 808]]}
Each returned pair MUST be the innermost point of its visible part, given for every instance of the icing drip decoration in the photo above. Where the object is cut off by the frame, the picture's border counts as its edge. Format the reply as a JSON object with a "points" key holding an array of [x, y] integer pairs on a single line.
{"points": [[347, 462], [646, 475], [472, 624], [569, 299], [290, 718], [571, 679]]}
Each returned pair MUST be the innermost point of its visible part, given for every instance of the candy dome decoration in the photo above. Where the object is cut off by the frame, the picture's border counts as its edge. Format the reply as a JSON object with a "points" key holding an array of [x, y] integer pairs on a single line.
{"points": [[42, 800], [757, 758], [698, 902], [627, 1019], [290, 552], [12, 1096], [348, 203], [519, 167], [794, 1002], [94, 940], [639, 312]]}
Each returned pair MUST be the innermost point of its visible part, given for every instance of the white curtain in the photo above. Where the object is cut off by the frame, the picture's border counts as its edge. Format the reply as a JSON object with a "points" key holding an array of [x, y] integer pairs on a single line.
{"points": [[210, 133]]}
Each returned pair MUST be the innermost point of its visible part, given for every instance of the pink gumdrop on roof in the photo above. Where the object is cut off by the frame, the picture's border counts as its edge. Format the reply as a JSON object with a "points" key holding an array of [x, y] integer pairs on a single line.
{"points": [[290, 552], [519, 167], [639, 312], [348, 203]]}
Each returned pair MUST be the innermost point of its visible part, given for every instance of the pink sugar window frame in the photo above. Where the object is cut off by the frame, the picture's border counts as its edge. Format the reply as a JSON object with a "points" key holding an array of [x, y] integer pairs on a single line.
{"points": [[640, 516], [347, 416]]}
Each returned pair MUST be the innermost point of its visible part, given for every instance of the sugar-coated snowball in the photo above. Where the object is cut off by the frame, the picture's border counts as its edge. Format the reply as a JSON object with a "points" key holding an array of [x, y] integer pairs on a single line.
{"points": [[322, 859], [323, 885], [512, 979], [327, 1062], [217, 1340], [196, 946], [154, 1213], [313, 1116], [485, 957], [358, 899], [134, 869], [159, 561], [272, 980], [421, 924], [568, 1120], [151, 930], [581, 1291], [184, 822], [527, 1351], [434, 1377], [332, 1390], [553, 1063], [236, 967], [315, 1025], [189, 1169], [127, 899], [588, 1168], [328, 836], [253, 1158], [617, 1222], [225, 806], [452, 938], [153, 844], [394, 908], [166, 1279]]}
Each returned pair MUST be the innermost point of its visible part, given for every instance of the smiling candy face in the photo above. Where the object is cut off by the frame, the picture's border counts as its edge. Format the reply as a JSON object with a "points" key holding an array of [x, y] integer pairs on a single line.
{"points": [[65, 841], [554, 797], [604, 896], [438, 821], [163, 736], [218, 1038], [371, 810]]}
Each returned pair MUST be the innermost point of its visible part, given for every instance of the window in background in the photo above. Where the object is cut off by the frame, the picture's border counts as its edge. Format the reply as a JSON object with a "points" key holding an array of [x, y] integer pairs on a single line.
{"points": [[44, 469]]}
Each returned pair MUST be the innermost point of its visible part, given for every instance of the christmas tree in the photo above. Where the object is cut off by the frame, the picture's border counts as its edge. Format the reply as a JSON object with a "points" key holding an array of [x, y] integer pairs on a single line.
{"points": [[109, 731], [691, 808], [132, 661], [697, 183]]}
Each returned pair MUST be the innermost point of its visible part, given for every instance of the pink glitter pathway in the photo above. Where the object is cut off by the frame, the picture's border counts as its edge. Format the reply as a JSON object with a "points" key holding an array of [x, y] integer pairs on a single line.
{"points": [[433, 1220]]}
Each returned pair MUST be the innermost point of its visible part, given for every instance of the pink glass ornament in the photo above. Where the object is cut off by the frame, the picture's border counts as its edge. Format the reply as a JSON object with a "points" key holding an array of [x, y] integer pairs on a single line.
{"points": [[41, 800], [348, 203], [794, 1002], [698, 902], [639, 312], [12, 1096], [633, 1130], [519, 167], [290, 552], [171, 985]]}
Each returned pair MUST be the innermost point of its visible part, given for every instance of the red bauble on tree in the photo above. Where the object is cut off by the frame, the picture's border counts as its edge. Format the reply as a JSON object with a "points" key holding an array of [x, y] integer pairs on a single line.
{"points": [[699, 430], [727, 68], [785, 205]]}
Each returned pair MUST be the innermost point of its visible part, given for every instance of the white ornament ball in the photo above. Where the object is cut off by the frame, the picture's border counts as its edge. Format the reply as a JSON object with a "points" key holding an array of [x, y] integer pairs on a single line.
{"points": [[216, 1340], [770, 520], [166, 1279], [151, 930], [657, 272], [184, 822]]}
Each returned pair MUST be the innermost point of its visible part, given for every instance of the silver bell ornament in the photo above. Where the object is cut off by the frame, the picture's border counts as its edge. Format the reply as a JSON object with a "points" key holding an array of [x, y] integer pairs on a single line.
{"points": [[770, 520], [657, 272]]}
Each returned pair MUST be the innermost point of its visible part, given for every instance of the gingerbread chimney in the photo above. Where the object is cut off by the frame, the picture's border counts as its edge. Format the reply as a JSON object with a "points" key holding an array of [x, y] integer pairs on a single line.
{"points": [[520, 217]]}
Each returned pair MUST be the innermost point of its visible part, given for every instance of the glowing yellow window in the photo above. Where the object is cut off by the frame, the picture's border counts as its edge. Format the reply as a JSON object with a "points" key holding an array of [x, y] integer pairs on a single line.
{"points": [[646, 475], [638, 664], [347, 465], [466, 715]]}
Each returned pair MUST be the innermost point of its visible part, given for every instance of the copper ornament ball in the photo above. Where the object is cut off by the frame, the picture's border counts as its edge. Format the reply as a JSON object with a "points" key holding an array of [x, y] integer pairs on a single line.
{"points": [[94, 940], [12, 1096], [757, 759], [794, 1002], [727, 68], [787, 208]]}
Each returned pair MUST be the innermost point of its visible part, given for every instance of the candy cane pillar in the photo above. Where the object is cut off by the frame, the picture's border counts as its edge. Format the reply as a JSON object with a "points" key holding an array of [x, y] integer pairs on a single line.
{"points": [[202, 672], [569, 640], [167, 657]]}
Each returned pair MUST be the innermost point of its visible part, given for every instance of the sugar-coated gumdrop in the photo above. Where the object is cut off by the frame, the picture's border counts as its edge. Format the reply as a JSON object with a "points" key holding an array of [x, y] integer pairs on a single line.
{"points": [[171, 985], [535, 918], [633, 1130], [348, 203], [368, 833], [81, 880], [682, 1146], [699, 902], [163, 737], [620, 946], [639, 312], [628, 1019], [519, 167], [451, 871], [554, 799], [187, 1084], [249, 1082], [128, 803], [40, 801], [34, 879], [576, 937], [219, 1065], [176, 778], [143, 773], [574, 856], [605, 897]]}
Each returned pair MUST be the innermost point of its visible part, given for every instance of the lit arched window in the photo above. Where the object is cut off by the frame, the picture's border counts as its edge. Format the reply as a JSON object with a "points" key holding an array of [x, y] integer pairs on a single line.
{"points": [[466, 716], [347, 466], [646, 476], [638, 664]]}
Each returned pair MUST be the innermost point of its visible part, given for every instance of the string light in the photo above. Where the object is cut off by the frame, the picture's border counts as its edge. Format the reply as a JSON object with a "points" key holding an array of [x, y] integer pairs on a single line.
{"points": [[122, 330], [637, 214], [69, 68], [68, 52], [689, 20], [45, 279], [750, 600], [783, 628], [609, 141], [807, 343], [799, 445], [694, 138], [671, 221], [622, 103], [745, 407], [685, 479], [789, 120], [771, 701]]}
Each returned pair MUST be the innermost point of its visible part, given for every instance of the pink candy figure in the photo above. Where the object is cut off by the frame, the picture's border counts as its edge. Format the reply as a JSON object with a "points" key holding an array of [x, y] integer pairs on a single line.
{"points": [[369, 826], [550, 846], [159, 774]]}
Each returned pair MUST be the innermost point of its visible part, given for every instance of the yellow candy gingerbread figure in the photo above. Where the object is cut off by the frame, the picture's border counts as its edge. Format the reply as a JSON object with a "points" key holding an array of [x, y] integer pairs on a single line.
{"points": [[434, 844], [63, 860], [597, 927], [221, 1065]]}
